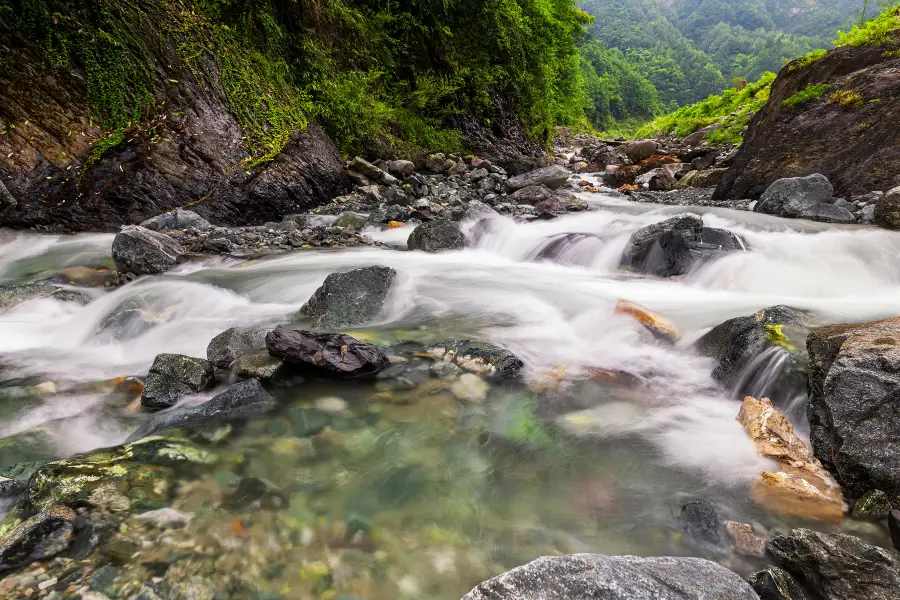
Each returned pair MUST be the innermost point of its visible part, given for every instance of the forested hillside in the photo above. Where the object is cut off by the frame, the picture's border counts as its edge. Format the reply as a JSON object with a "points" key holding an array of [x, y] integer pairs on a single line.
{"points": [[657, 54]]}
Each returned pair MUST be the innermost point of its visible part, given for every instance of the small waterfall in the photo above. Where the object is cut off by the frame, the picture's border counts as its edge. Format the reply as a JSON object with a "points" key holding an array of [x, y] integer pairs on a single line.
{"points": [[769, 375]]}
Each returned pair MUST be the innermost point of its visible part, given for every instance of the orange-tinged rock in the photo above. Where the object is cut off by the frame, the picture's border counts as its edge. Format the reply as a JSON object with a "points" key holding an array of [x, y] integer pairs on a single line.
{"points": [[395, 224], [628, 188], [802, 487], [584, 183], [654, 323]]}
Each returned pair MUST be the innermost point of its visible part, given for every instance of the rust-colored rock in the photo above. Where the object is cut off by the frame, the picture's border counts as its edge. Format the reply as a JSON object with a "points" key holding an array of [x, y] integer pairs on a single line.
{"points": [[654, 323], [802, 487]]}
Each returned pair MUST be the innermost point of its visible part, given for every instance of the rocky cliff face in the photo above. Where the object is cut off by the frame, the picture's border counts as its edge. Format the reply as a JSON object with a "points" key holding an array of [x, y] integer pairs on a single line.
{"points": [[846, 129], [188, 148]]}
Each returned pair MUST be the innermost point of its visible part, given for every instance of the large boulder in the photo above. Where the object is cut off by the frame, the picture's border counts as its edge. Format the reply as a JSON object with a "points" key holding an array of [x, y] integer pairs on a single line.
{"points": [[791, 196], [887, 210], [326, 353], [350, 299], [675, 246], [532, 194], [552, 177], [233, 343], [838, 566], [739, 345], [176, 219], [174, 376], [40, 537], [854, 404], [437, 235], [600, 577], [640, 150], [243, 400], [139, 251], [825, 212]]}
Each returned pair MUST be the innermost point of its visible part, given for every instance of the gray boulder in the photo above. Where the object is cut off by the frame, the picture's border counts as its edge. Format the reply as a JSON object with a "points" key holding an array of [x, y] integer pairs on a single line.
{"points": [[838, 566], [326, 353], [854, 404], [887, 209], [7, 201], [350, 299], [791, 196], [351, 220], [233, 343], [700, 521], [174, 376], [827, 213], [244, 400], [40, 537], [600, 577], [773, 583], [552, 177], [139, 251], [478, 210], [13, 295], [738, 344], [437, 235], [402, 168], [176, 219], [532, 194], [639, 150], [365, 168], [675, 246], [258, 365]]}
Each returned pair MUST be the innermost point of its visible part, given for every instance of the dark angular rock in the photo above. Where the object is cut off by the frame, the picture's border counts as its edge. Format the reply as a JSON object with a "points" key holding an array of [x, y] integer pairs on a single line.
{"points": [[837, 565], [599, 577], [244, 400], [791, 196], [13, 295], [7, 202], [699, 519], [140, 251], [854, 404], [642, 241], [738, 346], [552, 177], [532, 194], [233, 343], [827, 213], [44, 535], [773, 583], [326, 353], [176, 219], [174, 376], [435, 236], [874, 505], [479, 357], [350, 299], [894, 527], [887, 209]]}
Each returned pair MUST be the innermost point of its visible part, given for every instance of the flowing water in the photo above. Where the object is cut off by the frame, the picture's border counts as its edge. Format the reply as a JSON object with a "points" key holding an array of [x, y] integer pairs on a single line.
{"points": [[451, 492]]}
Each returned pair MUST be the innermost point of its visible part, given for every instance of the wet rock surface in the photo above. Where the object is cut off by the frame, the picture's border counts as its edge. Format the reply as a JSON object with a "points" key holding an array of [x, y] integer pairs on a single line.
{"points": [[599, 577], [38, 538], [174, 376], [233, 343], [699, 519], [326, 353], [13, 295], [794, 196], [140, 251], [436, 236], [773, 583], [478, 357], [837, 565], [350, 299]]}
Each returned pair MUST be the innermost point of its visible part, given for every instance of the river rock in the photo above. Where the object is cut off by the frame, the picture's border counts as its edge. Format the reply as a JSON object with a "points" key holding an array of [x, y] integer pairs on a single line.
{"points": [[699, 519], [233, 343], [640, 150], [258, 365], [477, 211], [40, 537], [326, 353], [139, 251], [478, 357], [652, 322], [790, 196], [675, 246], [551, 177], [243, 400], [351, 220], [801, 487], [13, 295], [177, 219], [744, 540], [837, 565], [600, 577], [437, 235], [773, 583], [7, 201], [365, 168], [174, 376], [532, 194], [827, 213], [874, 505], [738, 346], [350, 299], [887, 210], [401, 168], [854, 404]]}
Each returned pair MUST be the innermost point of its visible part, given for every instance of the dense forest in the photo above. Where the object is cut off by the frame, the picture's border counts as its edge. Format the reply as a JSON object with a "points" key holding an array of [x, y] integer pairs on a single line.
{"points": [[650, 55]]}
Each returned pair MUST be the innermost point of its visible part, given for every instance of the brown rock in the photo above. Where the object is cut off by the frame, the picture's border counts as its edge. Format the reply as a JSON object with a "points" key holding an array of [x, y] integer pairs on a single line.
{"points": [[654, 323], [744, 540]]}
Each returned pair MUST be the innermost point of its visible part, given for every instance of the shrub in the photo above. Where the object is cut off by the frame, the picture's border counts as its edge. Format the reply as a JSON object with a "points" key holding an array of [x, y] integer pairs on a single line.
{"points": [[812, 91]]}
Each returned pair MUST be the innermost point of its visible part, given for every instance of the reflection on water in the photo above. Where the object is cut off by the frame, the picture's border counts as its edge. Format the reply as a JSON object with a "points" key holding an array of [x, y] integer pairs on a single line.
{"points": [[414, 492]]}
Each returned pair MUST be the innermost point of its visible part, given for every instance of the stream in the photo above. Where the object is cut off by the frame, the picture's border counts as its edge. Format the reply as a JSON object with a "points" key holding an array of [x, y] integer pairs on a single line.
{"points": [[450, 492]]}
